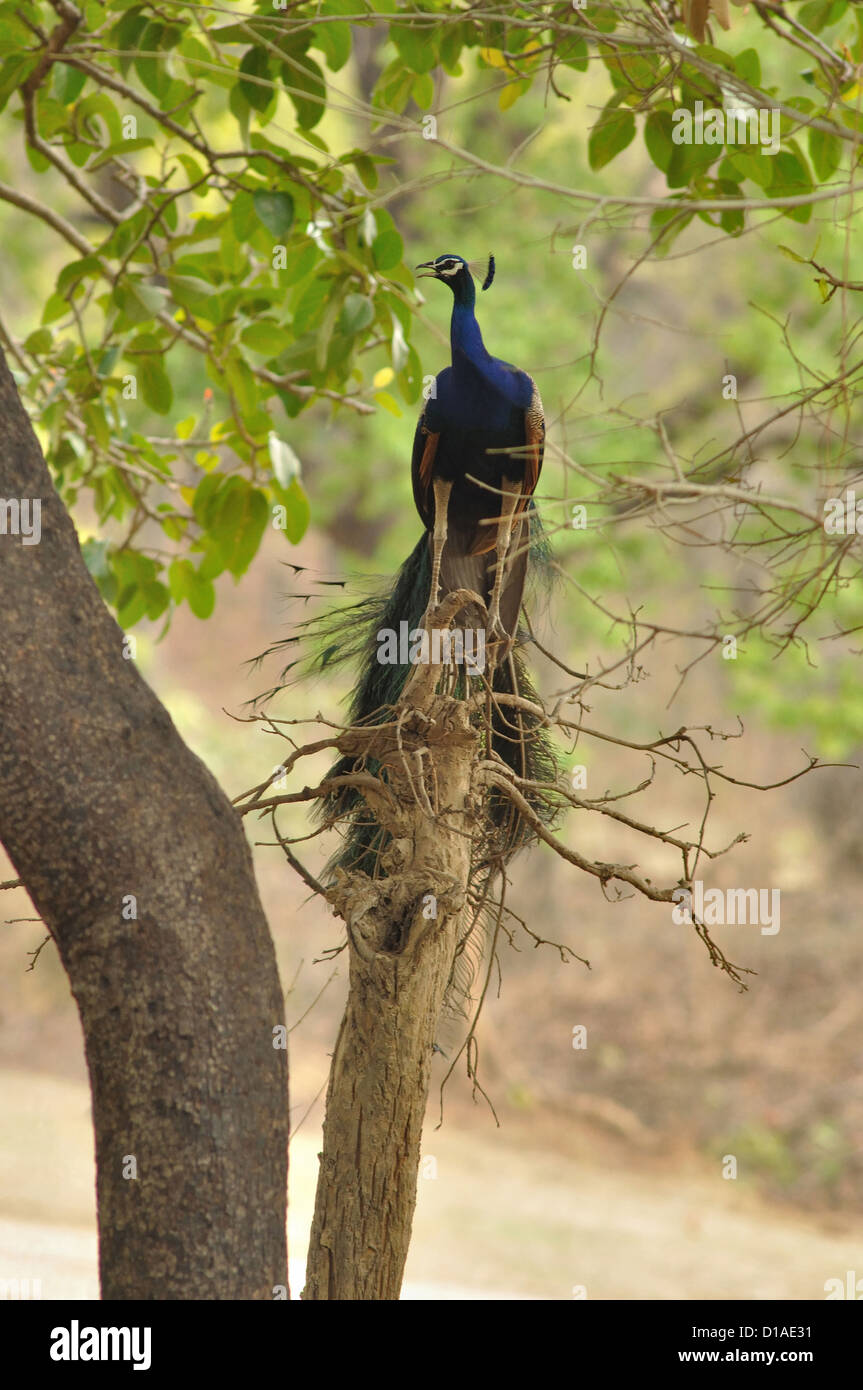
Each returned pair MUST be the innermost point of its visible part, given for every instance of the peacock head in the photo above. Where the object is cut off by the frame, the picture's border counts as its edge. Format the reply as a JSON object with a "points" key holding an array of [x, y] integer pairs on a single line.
{"points": [[455, 272]]}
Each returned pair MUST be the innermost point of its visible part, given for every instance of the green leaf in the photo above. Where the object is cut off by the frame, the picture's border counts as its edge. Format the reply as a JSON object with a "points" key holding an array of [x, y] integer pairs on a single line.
{"points": [[107, 360], [100, 104], [13, 73], [267, 336], [53, 117], [256, 64], [13, 33], [747, 65], [131, 606], [688, 162], [630, 71], [790, 178], [657, 138], [422, 90], [155, 385], [239, 32], [240, 515], [194, 295], [393, 88], [334, 41], [357, 313], [154, 72], [410, 377], [451, 44], [95, 556], [614, 130], [275, 211], [664, 217], [225, 510], [68, 83], [792, 255], [242, 384], [55, 308], [750, 163], [732, 220], [243, 216], [119, 147], [573, 52], [126, 33], [388, 402], [253, 521], [205, 497], [327, 325], [194, 172], [157, 598], [416, 44], [180, 575], [94, 418], [77, 270], [310, 305], [305, 85], [138, 303], [825, 151], [231, 255], [39, 342], [212, 564], [820, 13], [201, 595], [387, 250], [510, 94], [604, 18], [295, 513], [365, 167]]}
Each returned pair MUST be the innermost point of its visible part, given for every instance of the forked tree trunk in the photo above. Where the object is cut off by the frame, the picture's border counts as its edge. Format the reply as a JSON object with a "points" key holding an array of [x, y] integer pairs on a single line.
{"points": [[139, 866], [400, 962]]}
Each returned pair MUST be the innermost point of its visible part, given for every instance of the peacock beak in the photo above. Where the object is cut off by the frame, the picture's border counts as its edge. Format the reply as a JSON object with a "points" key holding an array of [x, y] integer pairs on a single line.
{"points": [[428, 269]]}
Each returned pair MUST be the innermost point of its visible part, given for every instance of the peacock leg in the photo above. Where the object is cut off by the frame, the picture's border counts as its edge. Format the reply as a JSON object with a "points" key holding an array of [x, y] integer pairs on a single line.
{"points": [[442, 491], [509, 502]]}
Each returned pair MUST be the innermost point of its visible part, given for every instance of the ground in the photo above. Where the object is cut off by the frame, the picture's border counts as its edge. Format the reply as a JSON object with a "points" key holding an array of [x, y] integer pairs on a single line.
{"points": [[618, 1232]]}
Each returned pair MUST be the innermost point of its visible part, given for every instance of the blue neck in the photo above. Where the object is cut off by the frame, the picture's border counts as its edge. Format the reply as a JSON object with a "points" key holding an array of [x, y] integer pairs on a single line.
{"points": [[464, 333]]}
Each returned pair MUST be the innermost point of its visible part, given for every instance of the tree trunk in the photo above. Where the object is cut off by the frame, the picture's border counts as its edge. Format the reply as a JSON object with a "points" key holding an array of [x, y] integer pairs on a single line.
{"points": [[139, 866], [401, 957]]}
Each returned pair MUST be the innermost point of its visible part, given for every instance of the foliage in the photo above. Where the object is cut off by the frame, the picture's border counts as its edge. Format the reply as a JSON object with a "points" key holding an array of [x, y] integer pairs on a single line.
{"points": [[234, 259]]}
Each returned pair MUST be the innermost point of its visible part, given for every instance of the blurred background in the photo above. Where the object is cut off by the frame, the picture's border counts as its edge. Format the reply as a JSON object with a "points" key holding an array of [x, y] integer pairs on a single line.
{"points": [[601, 1168]]}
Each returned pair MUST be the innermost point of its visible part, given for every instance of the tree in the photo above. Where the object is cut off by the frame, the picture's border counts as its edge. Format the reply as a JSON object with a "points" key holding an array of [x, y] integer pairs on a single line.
{"points": [[135, 860], [266, 276]]}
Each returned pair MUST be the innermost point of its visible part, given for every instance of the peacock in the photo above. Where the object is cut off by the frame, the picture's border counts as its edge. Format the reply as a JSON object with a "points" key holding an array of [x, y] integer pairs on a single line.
{"points": [[477, 456], [478, 449]]}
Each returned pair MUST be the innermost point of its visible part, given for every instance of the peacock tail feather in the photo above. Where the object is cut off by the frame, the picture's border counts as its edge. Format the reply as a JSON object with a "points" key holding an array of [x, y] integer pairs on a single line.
{"points": [[349, 635]]}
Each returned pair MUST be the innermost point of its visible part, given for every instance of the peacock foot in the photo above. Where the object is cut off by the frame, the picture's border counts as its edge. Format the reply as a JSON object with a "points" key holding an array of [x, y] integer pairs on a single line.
{"points": [[498, 639], [494, 627]]}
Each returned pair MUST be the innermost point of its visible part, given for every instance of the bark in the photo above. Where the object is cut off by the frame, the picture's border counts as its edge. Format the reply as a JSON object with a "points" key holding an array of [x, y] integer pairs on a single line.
{"points": [[101, 803], [400, 964]]}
